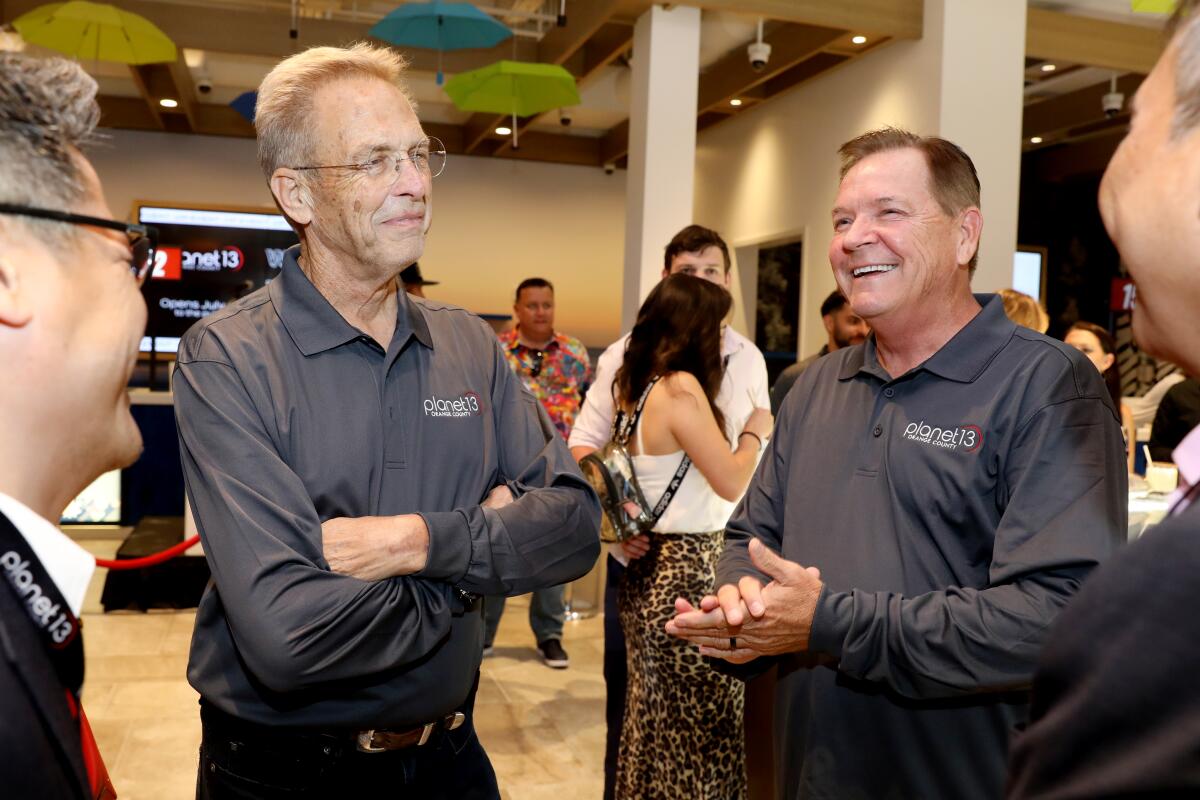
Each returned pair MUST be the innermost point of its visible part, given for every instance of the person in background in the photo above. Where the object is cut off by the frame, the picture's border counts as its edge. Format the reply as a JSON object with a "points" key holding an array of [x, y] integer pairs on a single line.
{"points": [[71, 319], [1116, 704], [701, 253], [1024, 310], [928, 503], [843, 327], [414, 282], [1178, 414], [1097, 344], [555, 368], [682, 730]]}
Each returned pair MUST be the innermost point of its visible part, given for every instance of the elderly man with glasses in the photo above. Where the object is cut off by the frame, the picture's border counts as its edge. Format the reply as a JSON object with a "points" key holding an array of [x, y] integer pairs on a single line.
{"points": [[363, 466], [71, 317]]}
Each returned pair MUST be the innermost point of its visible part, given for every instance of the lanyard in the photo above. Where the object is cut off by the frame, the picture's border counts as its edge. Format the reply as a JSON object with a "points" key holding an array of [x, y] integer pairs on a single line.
{"points": [[57, 627]]}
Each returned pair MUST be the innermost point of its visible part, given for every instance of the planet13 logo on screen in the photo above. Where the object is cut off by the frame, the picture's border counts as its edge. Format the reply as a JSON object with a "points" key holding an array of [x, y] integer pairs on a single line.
{"points": [[967, 438], [171, 262]]}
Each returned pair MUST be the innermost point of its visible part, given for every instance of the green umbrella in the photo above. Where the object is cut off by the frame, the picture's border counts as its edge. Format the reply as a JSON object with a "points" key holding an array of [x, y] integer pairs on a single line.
{"points": [[97, 32], [513, 87]]}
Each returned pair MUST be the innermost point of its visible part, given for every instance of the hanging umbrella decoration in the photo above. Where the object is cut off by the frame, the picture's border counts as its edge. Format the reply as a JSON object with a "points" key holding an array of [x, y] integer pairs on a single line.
{"points": [[245, 104], [440, 26], [96, 32], [518, 88]]}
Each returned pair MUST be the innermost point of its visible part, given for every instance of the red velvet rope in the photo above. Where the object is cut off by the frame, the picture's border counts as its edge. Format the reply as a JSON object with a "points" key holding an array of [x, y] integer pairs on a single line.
{"points": [[148, 561]]}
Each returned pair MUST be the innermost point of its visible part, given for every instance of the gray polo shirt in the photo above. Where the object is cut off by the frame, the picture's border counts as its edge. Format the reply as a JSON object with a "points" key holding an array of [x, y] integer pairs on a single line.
{"points": [[952, 511], [289, 416]]}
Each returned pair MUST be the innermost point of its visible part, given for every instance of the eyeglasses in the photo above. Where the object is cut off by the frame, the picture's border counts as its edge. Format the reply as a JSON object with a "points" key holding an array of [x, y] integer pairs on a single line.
{"points": [[539, 356], [429, 158], [143, 239]]}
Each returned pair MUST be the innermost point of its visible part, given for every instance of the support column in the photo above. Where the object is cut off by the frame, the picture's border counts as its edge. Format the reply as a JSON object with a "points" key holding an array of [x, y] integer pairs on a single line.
{"points": [[662, 144], [982, 102]]}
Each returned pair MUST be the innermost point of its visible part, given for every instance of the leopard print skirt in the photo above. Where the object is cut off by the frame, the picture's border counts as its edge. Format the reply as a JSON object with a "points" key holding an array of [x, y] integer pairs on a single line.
{"points": [[682, 733]]}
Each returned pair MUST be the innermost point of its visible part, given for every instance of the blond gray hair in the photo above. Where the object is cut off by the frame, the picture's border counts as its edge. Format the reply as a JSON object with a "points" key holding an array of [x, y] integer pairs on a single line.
{"points": [[281, 116], [1184, 29], [48, 113]]}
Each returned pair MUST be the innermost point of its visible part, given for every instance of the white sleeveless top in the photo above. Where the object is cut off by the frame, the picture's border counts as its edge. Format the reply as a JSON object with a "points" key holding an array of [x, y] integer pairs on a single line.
{"points": [[695, 508]]}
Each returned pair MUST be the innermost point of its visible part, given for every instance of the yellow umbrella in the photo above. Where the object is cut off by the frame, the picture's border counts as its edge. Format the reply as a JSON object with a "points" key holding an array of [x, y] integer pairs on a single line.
{"points": [[96, 32]]}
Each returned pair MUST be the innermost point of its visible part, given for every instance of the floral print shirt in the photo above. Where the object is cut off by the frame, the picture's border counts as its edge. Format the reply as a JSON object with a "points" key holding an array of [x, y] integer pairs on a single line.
{"points": [[557, 375]]}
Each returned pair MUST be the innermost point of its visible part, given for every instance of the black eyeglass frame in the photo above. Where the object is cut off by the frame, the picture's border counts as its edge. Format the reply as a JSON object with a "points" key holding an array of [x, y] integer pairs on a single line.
{"points": [[134, 232], [364, 166]]}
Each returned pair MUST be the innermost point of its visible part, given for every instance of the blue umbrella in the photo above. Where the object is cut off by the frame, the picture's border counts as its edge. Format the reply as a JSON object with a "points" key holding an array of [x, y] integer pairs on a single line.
{"points": [[244, 105], [440, 26]]}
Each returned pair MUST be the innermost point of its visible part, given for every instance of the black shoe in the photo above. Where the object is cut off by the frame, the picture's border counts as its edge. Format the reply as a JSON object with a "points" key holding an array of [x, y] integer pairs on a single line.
{"points": [[553, 654]]}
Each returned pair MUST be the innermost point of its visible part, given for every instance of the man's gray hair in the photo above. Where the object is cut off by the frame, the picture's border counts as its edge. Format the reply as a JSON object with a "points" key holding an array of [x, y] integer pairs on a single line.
{"points": [[48, 112], [281, 116], [1184, 30]]}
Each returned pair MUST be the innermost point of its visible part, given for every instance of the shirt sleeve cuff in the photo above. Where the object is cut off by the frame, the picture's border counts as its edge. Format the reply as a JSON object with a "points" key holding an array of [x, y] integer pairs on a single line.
{"points": [[449, 546], [831, 622]]}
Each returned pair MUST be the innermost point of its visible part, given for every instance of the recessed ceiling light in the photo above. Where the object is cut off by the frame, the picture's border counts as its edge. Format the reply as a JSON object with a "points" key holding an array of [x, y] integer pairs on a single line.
{"points": [[1035, 140], [167, 102], [735, 102], [1049, 67], [504, 130], [859, 40]]}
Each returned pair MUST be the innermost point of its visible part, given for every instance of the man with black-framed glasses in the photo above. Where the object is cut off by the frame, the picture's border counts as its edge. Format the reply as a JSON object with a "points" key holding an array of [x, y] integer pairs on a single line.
{"points": [[362, 466], [71, 319]]}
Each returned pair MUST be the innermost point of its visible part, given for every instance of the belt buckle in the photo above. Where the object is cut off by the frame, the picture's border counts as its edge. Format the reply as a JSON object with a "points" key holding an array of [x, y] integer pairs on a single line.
{"points": [[366, 742]]}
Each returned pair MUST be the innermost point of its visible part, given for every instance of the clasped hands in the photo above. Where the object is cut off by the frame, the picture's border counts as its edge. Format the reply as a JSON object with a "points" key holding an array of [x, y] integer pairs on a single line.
{"points": [[375, 548], [740, 623]]}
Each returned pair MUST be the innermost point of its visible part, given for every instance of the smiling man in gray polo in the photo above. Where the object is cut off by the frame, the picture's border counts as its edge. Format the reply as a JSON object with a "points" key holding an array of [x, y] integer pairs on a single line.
{"points": [[948, 484], [362, 465]]}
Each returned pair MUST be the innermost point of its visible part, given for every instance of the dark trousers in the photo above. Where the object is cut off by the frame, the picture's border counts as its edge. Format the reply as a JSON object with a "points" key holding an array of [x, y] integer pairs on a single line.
{"points": [[615, 675], [241, 761]]}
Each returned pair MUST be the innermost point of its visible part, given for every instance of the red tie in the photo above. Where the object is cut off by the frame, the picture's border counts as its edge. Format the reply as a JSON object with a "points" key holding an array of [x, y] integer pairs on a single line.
{"points": [[101, 784]]}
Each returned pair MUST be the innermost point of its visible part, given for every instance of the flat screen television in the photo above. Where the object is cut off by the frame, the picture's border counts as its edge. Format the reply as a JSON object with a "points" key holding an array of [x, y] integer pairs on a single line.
{"points": [[1029, 271], [207, 256]]}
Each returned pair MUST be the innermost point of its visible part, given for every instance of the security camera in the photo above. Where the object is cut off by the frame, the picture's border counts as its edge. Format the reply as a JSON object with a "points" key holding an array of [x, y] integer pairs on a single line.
{"points": [[610, 168], [204, 86], [1112, 103], [565, 117], [759, 54]]}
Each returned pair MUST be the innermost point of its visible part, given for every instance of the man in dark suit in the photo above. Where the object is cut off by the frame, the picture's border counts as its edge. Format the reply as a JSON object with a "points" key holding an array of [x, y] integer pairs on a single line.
{"points": [[1116, 703], [71, 317]]}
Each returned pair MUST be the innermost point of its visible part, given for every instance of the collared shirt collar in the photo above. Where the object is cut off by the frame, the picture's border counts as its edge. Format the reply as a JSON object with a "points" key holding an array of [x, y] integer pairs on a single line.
{"points": [[512, 340], [315, 325], [961, 359], [730, 341], [67, 564]]}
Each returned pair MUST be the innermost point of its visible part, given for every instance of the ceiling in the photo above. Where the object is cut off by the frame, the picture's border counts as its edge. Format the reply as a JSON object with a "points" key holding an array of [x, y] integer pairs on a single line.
{"points": [[228, 46]]}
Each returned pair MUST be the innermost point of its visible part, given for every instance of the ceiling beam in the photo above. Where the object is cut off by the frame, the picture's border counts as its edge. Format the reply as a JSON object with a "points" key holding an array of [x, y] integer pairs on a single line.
{"points": [[733, 75], [615, 143], [1055, 36], [142, 78], [1081, 107], [901, 19]]}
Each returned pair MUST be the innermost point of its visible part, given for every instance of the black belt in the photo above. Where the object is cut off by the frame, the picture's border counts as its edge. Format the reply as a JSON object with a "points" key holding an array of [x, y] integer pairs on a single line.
{"points": [[326, 742]]}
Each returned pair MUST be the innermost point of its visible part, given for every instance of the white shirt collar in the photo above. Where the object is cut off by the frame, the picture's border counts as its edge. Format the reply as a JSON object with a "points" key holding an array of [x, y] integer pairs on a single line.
{"points": [[69, 565]]}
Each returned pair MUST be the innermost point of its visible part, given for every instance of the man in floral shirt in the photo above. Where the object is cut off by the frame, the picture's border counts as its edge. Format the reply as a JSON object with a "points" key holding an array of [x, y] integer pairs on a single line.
{"points": [[556, 371]]}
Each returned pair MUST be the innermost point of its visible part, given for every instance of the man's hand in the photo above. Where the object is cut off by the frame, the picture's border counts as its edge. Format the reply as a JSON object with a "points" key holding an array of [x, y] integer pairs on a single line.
{"points": [[498, 497], [636, 546], [759, 620], [375, 548]]}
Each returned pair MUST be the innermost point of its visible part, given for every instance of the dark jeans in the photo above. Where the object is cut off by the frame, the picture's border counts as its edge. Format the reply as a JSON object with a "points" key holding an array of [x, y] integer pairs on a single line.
{"points": [[615, 675], [240, 761]]}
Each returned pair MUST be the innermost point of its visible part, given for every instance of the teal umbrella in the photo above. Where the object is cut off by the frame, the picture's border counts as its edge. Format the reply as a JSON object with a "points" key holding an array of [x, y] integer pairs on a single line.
{"points": [[518, 88], [440, 26]]}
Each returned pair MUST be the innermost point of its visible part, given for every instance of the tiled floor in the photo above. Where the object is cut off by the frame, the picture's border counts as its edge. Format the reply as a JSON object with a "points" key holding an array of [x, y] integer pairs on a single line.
{"points": [[543, 728]]}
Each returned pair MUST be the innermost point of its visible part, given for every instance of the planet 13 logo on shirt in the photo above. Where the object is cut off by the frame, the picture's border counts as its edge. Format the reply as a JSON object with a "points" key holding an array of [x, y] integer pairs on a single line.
{"points": [[968, 438], [467, 405]]}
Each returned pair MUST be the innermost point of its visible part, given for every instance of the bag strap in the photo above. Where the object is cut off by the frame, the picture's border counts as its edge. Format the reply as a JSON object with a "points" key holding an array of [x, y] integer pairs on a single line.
{"points": [[623, 424], [677, 479]]}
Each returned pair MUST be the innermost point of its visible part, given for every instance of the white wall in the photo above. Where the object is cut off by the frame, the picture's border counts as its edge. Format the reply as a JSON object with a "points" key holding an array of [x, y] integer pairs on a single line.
{"points": [[772, 174], [496, 221]]}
